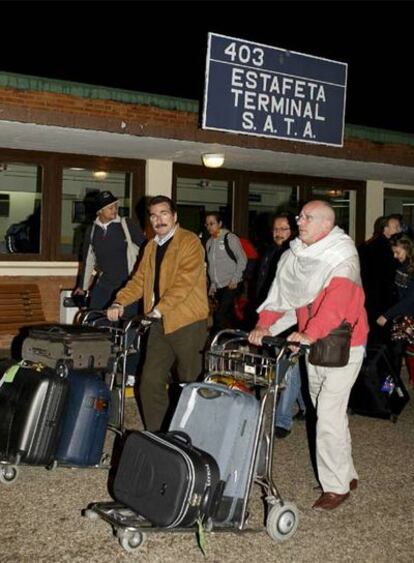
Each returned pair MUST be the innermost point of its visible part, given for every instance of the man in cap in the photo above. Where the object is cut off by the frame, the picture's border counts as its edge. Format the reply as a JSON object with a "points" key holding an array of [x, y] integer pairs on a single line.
{"points": [[106, 251]]}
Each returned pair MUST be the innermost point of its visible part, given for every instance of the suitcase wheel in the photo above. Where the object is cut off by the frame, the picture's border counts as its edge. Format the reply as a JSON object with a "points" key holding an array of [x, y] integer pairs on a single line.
{"points": [[130, 540], [282, 521], [91, 514], [62, 368], [8, 474]]}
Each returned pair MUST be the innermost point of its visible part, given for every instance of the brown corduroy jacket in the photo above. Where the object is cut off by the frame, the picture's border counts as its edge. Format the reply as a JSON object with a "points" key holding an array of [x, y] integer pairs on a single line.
{"points": [[183, 286]]}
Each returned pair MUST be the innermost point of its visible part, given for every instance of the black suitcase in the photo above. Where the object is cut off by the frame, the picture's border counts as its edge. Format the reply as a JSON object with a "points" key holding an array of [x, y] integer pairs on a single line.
{"points": [[166, 480], [378, 390], [32, 401]]}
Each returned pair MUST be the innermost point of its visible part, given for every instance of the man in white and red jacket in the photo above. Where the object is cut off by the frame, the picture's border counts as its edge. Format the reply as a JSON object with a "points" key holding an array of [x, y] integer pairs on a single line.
{"points": [[318, 286]]}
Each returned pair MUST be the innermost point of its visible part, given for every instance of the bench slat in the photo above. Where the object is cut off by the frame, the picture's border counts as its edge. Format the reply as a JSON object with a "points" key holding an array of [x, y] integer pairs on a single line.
{"points": [[20, 305]]}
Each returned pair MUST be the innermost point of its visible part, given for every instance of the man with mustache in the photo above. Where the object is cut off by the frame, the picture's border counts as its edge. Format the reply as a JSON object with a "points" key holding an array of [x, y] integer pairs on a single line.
{"points": [[318, 284], [171, 279]]}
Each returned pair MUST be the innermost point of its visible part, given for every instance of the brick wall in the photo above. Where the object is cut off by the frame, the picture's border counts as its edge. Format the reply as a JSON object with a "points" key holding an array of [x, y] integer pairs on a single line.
{"points": [[145, 120]]}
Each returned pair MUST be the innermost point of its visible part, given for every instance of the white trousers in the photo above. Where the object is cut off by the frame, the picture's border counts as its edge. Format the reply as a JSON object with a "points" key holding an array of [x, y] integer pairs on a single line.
{"points": [[329, 390]]}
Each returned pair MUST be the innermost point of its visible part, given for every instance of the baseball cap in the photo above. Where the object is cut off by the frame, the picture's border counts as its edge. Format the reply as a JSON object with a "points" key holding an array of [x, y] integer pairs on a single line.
{"points": [[103, 199]]}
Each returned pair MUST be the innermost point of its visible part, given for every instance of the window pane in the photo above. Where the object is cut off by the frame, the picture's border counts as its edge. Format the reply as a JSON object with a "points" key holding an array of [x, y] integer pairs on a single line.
{"points": [[264, 201], [344, 204], [400, 201], [20, 207], [79, 189], [195, 196]]}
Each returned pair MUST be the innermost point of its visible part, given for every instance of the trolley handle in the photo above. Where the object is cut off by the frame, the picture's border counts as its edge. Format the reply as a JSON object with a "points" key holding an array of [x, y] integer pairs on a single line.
{"points": [[140, 322], [280, 342], [232, 335], [92, 316]]}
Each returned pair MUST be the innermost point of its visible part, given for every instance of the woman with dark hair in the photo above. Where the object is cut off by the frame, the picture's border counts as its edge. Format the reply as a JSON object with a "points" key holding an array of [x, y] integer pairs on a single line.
{"points": [[226, 262], [402, 247]]}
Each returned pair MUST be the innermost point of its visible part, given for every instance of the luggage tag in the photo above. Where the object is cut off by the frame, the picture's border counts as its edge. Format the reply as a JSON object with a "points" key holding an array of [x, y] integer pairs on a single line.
{"points": [[10, 374]]}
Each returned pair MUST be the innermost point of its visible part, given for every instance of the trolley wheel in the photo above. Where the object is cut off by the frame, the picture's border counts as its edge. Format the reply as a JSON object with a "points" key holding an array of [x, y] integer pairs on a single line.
{"points": [[91, 514], [105, 460], [282, 521], [52, 466], [130, 540], [8, 474]]}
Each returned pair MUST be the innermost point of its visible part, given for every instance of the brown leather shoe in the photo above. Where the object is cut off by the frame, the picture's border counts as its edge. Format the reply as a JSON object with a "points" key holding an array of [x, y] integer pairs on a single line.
{"points": [[329, 501], [353, 484]]}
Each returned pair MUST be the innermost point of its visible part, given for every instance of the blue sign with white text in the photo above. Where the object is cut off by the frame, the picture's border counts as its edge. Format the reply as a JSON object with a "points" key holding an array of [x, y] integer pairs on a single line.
{"points": [[269, 92]]}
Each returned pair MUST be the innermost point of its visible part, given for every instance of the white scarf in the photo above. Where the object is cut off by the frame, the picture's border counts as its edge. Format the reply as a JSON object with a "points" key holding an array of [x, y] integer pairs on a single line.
{"points": [[303, 271]]}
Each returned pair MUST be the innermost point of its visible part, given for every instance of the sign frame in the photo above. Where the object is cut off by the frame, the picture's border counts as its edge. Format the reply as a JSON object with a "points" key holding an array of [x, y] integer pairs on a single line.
{"points": [[264, 91]]}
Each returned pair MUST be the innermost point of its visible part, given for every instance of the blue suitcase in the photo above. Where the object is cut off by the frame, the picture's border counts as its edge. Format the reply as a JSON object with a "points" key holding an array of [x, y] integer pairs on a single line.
{"points": [[85, 420]]}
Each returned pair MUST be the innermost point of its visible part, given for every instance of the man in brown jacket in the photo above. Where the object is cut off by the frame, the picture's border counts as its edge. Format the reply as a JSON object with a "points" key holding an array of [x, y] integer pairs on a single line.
{"points": [[171, 278]]}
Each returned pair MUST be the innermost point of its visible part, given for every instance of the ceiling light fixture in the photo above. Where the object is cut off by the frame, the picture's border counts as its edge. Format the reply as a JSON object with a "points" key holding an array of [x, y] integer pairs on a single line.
{"points": [[100, 174], [213, 160]]}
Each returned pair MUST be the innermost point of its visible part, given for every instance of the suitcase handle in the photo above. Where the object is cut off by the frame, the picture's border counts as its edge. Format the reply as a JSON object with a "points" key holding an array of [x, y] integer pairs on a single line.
{"points": [[180, 436], [209, 393]]}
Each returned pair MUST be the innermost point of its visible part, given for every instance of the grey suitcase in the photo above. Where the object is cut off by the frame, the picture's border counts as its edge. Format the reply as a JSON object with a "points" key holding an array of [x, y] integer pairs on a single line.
{"points": [[224, 423], [78, 347]]}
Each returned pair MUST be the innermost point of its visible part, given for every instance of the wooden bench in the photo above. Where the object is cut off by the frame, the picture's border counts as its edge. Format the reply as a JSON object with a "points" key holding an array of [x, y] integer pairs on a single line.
{"points": [[20, 305]]}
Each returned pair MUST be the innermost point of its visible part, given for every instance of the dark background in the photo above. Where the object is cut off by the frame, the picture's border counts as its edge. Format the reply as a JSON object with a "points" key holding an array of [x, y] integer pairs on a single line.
{"points": [[160, 47]]}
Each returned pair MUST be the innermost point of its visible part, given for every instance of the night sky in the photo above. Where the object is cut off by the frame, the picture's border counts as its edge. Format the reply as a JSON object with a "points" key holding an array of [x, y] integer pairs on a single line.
{"points": [[160, 47]]}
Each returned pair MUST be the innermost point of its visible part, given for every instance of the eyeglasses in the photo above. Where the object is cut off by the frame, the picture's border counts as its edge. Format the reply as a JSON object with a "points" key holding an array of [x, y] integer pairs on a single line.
{"points": [[304, 217], [277, 229]]}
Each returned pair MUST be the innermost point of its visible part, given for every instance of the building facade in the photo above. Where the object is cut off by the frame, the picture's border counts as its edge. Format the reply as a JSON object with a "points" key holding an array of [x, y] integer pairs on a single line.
{"points": [[61, 141]]}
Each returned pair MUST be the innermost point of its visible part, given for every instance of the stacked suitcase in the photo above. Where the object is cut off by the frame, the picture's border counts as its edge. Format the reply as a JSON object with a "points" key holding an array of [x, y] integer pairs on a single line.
{"points": [[54, 407], [32, 403], [212, 421], [77, 347], [165, 479]]}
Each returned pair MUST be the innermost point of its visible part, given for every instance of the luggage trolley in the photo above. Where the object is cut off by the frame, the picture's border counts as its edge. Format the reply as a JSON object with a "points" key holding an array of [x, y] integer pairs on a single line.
{"points": [[126, 340], [230, 356]]}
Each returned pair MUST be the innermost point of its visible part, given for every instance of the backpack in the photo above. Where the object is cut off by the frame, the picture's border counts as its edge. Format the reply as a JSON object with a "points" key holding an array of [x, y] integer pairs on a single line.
{"points": [[18, 239], [250, 252]]}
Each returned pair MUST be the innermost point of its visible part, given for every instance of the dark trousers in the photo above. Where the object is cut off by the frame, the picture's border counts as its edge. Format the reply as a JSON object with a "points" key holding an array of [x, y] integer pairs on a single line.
{"points": [[182, 347], [224, 316]]}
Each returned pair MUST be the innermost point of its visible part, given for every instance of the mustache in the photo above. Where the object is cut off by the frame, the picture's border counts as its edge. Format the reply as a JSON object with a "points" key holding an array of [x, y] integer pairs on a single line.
{"points": [[161, 225]]}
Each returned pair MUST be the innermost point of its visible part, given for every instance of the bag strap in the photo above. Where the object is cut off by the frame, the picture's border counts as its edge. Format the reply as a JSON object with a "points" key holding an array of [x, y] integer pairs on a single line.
{"points": [[344, 321], [126, 231], [228, 249]]}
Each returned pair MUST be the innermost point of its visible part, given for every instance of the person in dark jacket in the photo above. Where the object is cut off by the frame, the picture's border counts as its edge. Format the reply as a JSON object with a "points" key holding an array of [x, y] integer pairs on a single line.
{"points": [[402, 248], [378, 268], [106, 251], [110, 252], [284, 229]]}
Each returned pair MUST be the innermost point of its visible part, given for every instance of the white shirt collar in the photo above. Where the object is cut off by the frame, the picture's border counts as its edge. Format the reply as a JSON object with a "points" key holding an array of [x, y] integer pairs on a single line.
{"points": [[104, 226], [160, 241]]}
